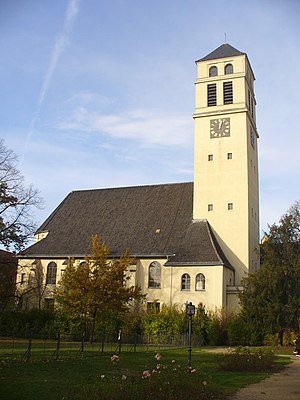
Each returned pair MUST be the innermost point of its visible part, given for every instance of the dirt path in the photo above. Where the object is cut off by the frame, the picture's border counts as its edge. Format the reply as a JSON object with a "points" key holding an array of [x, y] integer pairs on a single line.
{"points": [[284, 385]]}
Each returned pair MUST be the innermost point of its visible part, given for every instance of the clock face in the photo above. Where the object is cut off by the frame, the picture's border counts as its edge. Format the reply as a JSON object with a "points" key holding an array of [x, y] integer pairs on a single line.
{"points": [[219, 127]]}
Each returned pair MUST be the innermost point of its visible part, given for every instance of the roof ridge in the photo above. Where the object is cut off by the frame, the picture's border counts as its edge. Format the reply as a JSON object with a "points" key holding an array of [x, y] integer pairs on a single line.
{"points": [[131, 187], [51, 216], [223, 51], [217, 246]]}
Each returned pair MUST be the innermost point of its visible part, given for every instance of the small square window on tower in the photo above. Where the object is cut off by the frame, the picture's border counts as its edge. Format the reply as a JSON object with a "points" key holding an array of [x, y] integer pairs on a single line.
{"points": [[210, 157], [210, 207], [229, 156], [230, 206]]}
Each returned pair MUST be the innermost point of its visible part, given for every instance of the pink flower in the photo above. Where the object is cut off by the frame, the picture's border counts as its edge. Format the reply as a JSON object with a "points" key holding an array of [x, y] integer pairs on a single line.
{"points": [[157, 356], [204, 383], [114, 358], [158, 366], [146, 374]]}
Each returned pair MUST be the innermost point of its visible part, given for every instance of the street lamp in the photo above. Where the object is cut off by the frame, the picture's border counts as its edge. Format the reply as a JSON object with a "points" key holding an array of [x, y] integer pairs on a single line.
{"points": [[190, 311]]}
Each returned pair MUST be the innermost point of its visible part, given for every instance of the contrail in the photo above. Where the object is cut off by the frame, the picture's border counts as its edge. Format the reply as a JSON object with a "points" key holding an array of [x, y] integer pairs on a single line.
{"points": [[62, 41]]}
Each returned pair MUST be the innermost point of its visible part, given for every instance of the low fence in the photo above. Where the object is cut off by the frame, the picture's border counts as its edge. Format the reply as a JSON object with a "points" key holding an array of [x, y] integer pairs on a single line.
{"points": [[36, 349]]}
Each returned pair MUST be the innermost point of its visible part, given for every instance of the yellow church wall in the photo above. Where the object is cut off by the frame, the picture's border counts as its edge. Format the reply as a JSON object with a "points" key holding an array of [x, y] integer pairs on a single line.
{"points": [[219, 180], [223, 181], [31, 273], [253, 205], [214, 295], [239, 85], [28, 265]]}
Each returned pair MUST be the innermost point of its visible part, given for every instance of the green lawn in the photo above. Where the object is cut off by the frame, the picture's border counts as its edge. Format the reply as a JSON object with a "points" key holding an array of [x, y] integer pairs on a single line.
{"points": [[83, 378]]}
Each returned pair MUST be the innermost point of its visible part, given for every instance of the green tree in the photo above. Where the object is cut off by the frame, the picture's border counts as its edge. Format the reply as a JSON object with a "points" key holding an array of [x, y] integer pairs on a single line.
{"points": [[16, 202], [271, 296], [96, 288]]}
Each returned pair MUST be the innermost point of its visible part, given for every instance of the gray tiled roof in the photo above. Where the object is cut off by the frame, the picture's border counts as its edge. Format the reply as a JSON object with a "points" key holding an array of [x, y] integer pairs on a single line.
{"points": [[223, 51], [149, 221]]}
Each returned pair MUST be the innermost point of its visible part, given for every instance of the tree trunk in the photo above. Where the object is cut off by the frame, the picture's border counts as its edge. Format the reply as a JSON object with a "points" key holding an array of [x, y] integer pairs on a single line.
{"points": [[93, 327], [280, 337]]}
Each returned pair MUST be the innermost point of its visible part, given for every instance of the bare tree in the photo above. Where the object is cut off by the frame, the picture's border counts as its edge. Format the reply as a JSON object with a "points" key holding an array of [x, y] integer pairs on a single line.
{"points": [[31, 289], [8, 268], [16, 202]]}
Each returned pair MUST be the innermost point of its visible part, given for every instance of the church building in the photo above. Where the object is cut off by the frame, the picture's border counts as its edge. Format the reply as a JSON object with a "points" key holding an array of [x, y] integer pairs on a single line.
{"points": [[191, 241]]}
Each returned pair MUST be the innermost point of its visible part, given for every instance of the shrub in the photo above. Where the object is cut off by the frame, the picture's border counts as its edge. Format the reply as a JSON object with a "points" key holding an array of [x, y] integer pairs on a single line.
{"points": [[246, 359], [168, 322], [19, 323], [271, 339]]}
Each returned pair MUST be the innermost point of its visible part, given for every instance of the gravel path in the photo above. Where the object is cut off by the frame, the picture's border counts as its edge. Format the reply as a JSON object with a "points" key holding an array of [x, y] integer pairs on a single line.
{"points": [[283, 385]]}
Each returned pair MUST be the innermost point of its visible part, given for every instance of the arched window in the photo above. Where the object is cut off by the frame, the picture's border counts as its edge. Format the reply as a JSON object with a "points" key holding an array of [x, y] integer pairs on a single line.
{"points": [[228, 69], [213, 71], [82, 264], [51, 273], [185, 282], [200, 282], [154, 275]]}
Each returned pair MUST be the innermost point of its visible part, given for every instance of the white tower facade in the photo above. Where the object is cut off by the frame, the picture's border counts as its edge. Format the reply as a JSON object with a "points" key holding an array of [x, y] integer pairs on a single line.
{"points": [[226, 189]]}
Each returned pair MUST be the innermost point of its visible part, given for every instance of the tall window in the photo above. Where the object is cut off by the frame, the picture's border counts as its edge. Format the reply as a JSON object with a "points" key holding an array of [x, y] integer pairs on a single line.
{"points": [[213, 71], [51, 273], [210, 207], [49, 304], [154, 275], [227, 93], [228, 69], [185, 282], [212, 94], [200, 282], [153, 307]]}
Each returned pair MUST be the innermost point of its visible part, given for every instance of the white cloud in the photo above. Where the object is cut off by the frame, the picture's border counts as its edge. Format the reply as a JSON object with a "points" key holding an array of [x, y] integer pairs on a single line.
{"points": [[142, 126], [87, 98]]}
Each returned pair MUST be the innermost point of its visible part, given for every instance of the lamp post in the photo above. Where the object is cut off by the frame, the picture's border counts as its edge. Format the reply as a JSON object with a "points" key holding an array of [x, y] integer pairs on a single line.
{"points": [[190, 311]]}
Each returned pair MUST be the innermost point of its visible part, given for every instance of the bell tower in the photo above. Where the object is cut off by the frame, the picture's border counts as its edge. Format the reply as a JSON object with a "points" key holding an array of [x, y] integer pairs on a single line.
{"points": [[225, 155]]}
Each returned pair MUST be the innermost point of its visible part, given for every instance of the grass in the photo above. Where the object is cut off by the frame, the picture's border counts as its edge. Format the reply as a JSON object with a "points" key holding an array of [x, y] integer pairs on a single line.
{"points": [[41, 350], [77, 379]]}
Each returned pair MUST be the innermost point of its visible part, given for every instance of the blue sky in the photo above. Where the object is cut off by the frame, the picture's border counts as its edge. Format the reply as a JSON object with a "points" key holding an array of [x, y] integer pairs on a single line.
{"points": [[100, 94]]}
